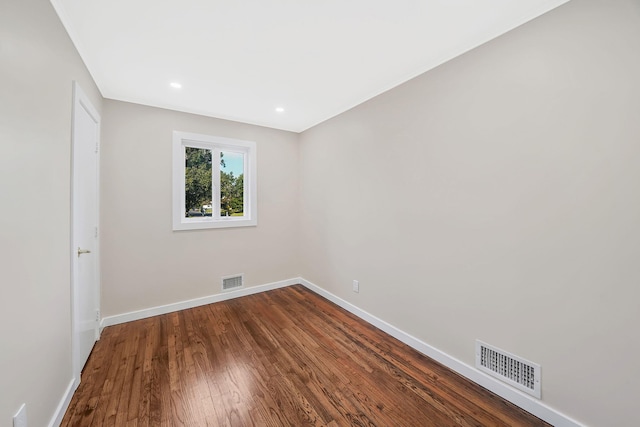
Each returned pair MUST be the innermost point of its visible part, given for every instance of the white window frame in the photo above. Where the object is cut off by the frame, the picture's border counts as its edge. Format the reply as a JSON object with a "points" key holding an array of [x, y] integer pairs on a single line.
{"points": [[181, 140]]}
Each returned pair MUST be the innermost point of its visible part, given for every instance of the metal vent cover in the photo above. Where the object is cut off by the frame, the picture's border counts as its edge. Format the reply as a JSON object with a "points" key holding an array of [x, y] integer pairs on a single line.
{"points": [[232, 282], [513, 370]]}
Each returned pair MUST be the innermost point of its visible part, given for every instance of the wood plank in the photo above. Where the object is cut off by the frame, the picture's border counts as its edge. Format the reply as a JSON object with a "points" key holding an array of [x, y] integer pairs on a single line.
{"points": [[283, 357]]}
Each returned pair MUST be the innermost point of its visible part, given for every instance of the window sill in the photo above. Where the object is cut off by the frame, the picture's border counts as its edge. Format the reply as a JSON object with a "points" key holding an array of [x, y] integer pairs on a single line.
{"points": [[205, 223]]}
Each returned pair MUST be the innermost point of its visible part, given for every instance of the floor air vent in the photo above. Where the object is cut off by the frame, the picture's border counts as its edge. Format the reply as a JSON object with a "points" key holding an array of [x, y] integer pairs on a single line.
{"points": [[513, 370], [231, 282]]}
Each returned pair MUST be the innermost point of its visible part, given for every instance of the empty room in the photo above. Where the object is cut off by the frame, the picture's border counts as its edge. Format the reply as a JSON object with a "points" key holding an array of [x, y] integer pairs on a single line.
{"points": [[288, 213]]}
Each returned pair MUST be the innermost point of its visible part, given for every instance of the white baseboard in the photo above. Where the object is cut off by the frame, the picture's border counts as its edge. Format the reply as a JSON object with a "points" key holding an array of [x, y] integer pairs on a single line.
{"points": [[513, 395], [182, 305], [63, 405]]}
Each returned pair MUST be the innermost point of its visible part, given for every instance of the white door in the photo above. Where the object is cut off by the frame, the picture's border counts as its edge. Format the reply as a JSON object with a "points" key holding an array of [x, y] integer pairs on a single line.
{"points": [[85, 302]]}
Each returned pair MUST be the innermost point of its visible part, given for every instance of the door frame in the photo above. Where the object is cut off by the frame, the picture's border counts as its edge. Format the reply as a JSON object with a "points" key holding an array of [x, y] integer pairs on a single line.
{"points": [[81, 101]]}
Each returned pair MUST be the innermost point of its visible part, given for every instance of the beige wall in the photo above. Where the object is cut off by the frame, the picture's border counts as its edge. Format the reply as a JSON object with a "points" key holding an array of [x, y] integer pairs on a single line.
{"points": [[496, 198], [37, 66], [144, 262]]}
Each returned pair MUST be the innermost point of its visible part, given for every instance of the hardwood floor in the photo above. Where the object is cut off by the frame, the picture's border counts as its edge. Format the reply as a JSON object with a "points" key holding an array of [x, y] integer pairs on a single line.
{"points": [[286, 357]]}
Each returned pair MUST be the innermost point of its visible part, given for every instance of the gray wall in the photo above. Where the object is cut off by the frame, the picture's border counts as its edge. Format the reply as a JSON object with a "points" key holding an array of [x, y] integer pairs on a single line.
{"points": [[496, 198], [146, 264], [38, 63]]}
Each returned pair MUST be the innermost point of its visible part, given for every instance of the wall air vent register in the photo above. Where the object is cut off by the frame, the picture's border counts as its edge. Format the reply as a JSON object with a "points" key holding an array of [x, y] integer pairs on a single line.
{"points": [[511, 369]]}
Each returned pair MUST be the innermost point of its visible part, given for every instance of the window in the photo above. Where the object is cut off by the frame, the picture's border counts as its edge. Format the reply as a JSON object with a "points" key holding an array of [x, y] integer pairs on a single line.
{"points": [[214, 182]]}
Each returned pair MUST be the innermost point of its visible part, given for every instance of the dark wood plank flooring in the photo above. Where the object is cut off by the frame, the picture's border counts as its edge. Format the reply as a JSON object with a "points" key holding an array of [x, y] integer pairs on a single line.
{"points": [[286, 357]]}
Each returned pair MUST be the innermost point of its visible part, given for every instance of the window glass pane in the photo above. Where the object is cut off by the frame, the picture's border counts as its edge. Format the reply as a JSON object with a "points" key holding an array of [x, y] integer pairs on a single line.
{"points": [[231, 183], [197, 182]]}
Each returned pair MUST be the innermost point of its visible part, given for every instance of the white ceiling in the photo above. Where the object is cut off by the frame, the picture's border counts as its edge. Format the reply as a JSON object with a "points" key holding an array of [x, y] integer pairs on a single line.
{"points": [[240, 59]]}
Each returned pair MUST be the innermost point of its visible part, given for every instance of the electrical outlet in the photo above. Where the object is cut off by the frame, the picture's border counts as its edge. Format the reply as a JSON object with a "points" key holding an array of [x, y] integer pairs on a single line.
{"points": [[356, 286], [20, 418]]}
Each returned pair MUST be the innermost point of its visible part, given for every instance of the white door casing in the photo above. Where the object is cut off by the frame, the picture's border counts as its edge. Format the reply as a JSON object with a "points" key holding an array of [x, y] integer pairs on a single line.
{"points": [[85, 277]]}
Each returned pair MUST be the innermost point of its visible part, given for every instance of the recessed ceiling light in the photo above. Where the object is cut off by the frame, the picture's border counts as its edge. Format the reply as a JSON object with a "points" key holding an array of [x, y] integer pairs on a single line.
{"points": [[175, 85], [279, 110]]}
